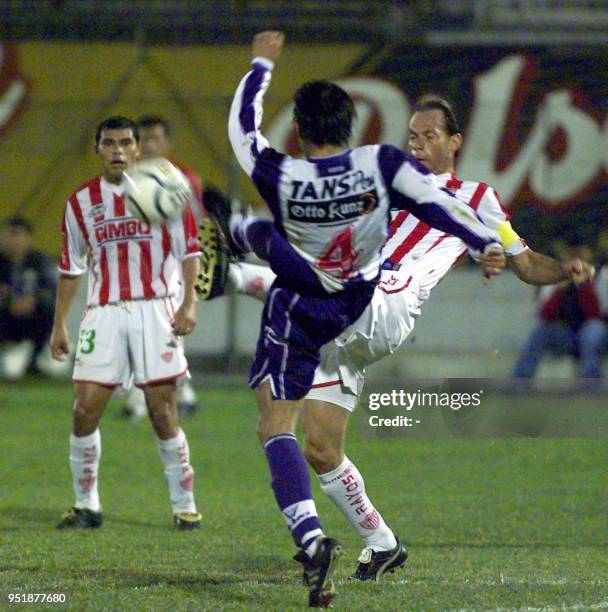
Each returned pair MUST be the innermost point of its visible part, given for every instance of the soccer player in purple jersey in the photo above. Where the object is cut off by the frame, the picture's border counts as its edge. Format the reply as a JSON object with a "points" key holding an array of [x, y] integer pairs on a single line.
{"points": [[332, 209]]}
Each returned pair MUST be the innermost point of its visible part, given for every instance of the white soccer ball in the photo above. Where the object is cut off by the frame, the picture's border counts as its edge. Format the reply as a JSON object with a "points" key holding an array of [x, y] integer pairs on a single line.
{"points": [[156, 191]]}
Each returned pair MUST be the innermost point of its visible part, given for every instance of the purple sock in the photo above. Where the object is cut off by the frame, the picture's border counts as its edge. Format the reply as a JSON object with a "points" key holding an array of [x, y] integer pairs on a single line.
{"points": [[253, 234], [291, 485], [293, 272]]}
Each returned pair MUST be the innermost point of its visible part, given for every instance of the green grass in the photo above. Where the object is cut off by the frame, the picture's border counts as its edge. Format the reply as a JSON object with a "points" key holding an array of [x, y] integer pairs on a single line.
{"points": [[506, 523]]}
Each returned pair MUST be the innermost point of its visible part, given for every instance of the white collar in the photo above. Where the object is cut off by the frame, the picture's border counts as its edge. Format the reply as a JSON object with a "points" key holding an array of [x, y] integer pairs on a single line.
{"points": [[113, 187]]}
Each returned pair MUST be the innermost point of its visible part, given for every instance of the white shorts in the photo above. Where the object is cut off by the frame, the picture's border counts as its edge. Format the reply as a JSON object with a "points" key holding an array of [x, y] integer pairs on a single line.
{"points": [[380, 331], [133, 338]]}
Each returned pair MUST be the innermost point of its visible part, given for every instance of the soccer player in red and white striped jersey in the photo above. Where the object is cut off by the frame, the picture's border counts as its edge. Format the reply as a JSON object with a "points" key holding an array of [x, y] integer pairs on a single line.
{"points": [[128, 259], [416, 257], [131, 325]]}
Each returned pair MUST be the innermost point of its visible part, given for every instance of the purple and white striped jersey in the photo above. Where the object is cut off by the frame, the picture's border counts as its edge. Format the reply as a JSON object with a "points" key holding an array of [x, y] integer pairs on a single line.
{"points": [[335, 210]]}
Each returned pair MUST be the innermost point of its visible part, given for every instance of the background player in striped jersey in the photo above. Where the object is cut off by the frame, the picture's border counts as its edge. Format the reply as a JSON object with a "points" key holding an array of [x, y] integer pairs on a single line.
{"points": [[332, 207], [416, 257], [130, 323], [155, 140]]}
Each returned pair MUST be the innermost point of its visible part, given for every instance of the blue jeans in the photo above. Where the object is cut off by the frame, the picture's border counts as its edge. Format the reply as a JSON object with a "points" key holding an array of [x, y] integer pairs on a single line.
{"points": [[588, 344]]}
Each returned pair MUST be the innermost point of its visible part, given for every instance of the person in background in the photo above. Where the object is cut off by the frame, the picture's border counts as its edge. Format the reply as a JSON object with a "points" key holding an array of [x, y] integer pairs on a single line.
{"points": [[155, 141], [570, 323], [27, 294], [601, 279]]}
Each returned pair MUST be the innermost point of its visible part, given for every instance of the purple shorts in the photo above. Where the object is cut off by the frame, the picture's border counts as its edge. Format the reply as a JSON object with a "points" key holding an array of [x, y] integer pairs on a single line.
{"points": [[293, 330]]}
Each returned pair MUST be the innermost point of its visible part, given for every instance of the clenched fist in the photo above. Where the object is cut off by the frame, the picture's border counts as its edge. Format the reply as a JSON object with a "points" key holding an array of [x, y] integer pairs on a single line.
{"points": [[578, 271], [268, 45]]}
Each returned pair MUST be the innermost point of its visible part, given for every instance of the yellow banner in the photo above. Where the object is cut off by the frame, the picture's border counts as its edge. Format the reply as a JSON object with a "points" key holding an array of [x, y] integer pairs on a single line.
{"points": [[48, 149]]}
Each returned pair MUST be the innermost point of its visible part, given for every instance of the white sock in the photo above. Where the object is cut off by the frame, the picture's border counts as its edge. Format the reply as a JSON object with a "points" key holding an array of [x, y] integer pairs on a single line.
{"points": [[346, 488], [185, 393], [84, 462], [175, 457], [250, 279], [237, 226], [310, 541], [137, 402]]}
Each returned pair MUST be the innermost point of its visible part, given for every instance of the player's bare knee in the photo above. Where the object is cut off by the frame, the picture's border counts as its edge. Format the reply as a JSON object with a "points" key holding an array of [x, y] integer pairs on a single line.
{"points": [[86, 417], [164, 419], [321, 456], [273, 423], [85, 409], [261, 430]]}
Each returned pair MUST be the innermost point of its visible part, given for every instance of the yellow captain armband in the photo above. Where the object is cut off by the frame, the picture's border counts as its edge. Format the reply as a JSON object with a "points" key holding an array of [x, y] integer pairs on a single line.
{"points": [[507, 234]]}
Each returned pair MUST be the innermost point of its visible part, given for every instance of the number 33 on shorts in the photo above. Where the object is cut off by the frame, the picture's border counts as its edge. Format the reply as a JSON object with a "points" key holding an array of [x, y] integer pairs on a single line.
{"points": [[86, 342]]}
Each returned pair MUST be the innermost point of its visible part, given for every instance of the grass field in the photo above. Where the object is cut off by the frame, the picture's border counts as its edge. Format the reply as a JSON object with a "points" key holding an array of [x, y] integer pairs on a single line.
{"points": [[509, 523]]}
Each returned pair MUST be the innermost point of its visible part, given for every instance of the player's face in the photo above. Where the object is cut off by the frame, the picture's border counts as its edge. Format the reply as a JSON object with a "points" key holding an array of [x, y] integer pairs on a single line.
{"points": [[430, 142], [154, 141], [117, 150]]}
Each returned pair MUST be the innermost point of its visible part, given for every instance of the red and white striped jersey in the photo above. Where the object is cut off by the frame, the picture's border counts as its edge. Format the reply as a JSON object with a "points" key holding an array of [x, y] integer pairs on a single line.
{"points": [[428, 253], [198, 207], [127, 259]]}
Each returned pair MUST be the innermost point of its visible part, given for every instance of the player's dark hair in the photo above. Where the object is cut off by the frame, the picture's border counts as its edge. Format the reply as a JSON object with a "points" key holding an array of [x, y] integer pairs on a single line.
{"points": [[324, 113], [428, 103], [149, 121], [116, 123], [18, 222]]}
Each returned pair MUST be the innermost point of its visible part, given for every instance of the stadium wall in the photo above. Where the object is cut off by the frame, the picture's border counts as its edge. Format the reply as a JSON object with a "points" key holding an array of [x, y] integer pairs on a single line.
{"points": [[465, 330]]}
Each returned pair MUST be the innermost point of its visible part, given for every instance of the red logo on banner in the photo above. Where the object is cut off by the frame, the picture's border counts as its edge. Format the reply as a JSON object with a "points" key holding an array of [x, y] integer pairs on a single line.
{"points": [[14, 87]]}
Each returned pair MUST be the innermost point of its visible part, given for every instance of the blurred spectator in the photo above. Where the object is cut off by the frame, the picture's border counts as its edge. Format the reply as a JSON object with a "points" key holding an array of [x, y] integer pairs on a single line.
{"points": [[27, 295], [571, 323], [601, 279]]}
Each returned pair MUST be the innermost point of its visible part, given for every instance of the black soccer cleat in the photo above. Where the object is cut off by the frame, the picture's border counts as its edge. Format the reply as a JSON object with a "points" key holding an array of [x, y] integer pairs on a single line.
{"points": [[318, 572], [80, 518], [374, 564], [211, 281], [219, 208], [187, 521]]}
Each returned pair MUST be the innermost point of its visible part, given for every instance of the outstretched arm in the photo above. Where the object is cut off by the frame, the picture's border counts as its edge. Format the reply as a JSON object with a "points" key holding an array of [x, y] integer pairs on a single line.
{"points": [[531, 267], [246, 111], [538, 269]]}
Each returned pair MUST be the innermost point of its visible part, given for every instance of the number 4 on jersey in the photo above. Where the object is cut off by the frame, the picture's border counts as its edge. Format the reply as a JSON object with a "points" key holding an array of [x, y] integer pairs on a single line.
{"points": [[340, 255]]}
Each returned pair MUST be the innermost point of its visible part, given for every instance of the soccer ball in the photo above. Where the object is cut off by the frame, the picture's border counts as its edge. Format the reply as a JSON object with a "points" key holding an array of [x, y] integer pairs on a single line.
{"points": [[156, 191]]}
